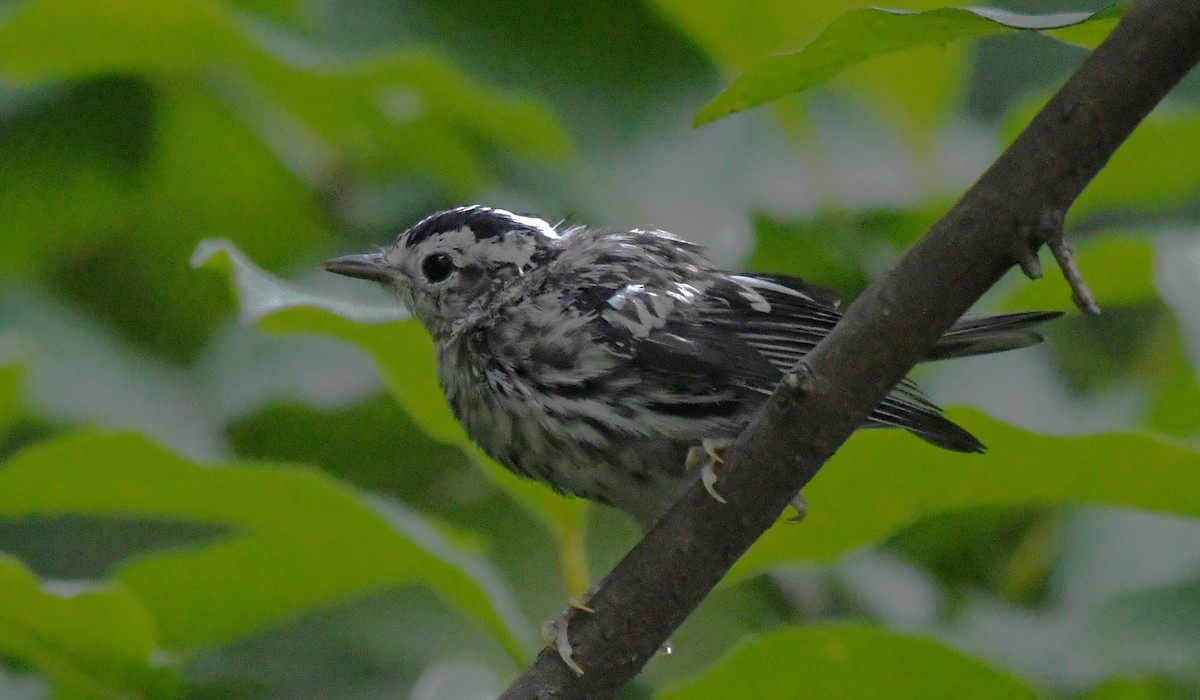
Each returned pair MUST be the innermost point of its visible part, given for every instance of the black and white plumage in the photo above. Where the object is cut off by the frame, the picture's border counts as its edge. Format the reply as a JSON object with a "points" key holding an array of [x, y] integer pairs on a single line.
{"points": [[593, 360]]}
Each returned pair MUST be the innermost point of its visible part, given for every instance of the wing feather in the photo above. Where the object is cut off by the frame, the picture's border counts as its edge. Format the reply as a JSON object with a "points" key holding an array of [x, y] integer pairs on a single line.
{"points": [[743, 331]]}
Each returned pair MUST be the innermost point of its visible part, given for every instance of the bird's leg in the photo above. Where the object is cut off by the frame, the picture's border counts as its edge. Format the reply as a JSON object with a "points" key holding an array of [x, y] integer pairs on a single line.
{"points": [[554, 632], [707, 455]]}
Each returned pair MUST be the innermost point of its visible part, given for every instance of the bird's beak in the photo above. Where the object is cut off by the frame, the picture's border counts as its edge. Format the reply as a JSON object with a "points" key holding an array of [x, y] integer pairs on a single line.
{"points": [[364, 266]]}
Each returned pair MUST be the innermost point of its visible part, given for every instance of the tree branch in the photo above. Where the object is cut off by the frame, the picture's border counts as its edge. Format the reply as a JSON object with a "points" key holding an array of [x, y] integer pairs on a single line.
{"points": [[1014, 208]]}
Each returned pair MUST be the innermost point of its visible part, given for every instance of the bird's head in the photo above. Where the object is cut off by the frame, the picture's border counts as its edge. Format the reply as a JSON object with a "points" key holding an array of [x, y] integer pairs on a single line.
{"points": [[453, 264]]}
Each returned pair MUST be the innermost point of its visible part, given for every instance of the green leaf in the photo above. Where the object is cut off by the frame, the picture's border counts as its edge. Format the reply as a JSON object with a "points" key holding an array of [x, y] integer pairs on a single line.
{"points": [[834, 247], [1139, 689], [738, 34], [111, 183], [1096, 29], [261, 294], [911, 92], [1151, 170], [297, 539], [403, 351], [861, 34], [1173, 383], [402, 110], [11, 399], [284, 10], [847, 661], [410, 110], [96, 642], [882, 480], [147, 126]]}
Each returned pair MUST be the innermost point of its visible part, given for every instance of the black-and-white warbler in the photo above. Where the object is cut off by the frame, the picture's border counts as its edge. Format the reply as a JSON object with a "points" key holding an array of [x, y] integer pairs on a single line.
{"points": [[598, 361]]}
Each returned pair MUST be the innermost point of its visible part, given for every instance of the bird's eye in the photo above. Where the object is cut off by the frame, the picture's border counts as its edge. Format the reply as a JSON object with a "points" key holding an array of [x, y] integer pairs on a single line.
{"points": [[437, 267]]}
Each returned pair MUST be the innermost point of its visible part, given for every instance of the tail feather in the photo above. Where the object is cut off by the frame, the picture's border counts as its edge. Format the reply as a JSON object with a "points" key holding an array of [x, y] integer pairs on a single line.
{"points": [[801, 318], [926, 421], [981, 334]]}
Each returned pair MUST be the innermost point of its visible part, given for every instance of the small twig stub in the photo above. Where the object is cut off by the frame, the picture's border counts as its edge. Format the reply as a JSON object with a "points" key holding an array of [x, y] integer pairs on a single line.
{"points": [[1051, 231]]}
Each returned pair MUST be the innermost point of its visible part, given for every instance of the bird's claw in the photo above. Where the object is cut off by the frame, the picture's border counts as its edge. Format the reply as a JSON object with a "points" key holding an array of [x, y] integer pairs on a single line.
{"points": [[562, 644], [554, 633], [708, 477], [707, 456], [581, 606]]}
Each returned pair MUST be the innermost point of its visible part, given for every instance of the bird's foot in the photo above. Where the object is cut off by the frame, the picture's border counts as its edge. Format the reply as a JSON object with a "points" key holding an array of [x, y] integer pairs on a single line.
{"points": [[706, 456], [554, 633]]}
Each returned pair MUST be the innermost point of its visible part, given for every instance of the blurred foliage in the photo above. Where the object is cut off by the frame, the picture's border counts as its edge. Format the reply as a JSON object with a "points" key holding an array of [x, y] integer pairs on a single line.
{"points": [[836, 247], [285, 548], [861, 34], [243, 481], [848, 662]]}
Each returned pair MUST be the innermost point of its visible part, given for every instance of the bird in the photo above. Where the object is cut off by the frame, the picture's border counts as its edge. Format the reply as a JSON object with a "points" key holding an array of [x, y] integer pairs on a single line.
{"points": [[608, 363]]}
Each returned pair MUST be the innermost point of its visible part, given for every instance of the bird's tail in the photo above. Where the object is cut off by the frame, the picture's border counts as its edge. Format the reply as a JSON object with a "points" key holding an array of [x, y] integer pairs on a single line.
{"points": [[980, 334]]}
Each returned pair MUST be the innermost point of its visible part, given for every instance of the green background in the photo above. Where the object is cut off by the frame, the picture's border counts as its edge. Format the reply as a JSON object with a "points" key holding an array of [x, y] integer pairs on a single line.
{"points": [[226, 475]]}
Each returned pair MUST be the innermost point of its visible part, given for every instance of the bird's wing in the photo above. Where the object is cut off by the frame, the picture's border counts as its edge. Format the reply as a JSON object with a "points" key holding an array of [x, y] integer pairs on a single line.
{"points": [[720, 330], [669, 329], [782, 318], [748, 330]]}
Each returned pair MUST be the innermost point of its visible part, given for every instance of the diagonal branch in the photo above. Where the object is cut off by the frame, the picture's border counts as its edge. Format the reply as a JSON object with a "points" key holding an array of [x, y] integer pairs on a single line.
{"points": [[997, 223]]}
